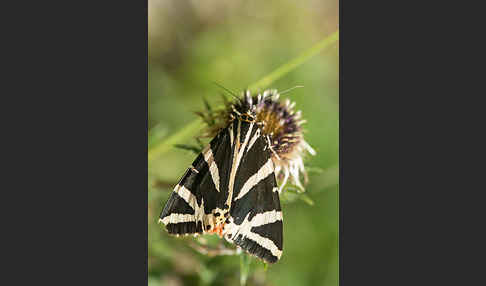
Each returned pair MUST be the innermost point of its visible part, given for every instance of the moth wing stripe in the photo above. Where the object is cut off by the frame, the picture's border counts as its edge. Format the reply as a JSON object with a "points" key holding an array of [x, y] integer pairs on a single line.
{"points": [[253, 139], [240, 153], [178, 218], [245, 230], [213, 168], [191, 200], [247, 137], [242, 148], [264, 171], [187, 195], [231, 181], [266, 218], [265, 243], [230, 130]]}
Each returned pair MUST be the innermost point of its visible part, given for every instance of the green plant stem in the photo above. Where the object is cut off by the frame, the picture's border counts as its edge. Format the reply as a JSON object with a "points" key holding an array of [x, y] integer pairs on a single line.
{"points": [[294, 63], [245, 262], [163, 146], [177, 137]]}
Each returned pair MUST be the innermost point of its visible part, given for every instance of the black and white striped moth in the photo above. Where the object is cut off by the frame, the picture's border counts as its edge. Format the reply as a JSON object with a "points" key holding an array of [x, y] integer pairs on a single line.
{"points": [[231, 188]]}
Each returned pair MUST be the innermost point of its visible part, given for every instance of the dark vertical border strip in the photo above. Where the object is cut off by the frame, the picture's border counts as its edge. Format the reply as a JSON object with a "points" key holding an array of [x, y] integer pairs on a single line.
{"points": [[83, 160], [402, 186]]}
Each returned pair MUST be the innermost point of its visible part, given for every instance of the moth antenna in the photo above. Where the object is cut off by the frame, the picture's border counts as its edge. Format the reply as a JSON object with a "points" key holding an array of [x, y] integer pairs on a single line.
{"points": [[227, 90], [292, 88]]}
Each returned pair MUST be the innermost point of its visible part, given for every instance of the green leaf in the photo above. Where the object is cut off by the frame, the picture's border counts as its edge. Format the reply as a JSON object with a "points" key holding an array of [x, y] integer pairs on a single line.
{"points": [[209, 112], [314, 170], [163, 146], [306, 199], [194, 149], [265, 266]]}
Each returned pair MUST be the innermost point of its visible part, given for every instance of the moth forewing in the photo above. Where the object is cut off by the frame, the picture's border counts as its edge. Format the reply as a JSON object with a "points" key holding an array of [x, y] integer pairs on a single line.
{"points": [[199, 193], [255, 213], [230, 190]]}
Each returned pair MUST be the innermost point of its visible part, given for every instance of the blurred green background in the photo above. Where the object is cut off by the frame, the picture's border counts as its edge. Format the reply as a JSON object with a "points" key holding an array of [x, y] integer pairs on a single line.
{"points": [[236, 43]]}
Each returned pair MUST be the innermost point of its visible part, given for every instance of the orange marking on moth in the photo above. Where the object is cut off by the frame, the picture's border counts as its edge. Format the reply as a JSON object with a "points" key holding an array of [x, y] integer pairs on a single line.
{"points": [[218, 229]]}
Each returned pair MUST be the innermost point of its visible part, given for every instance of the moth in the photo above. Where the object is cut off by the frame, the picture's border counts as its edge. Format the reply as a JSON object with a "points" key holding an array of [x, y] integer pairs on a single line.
{"points": [[231, 189]]}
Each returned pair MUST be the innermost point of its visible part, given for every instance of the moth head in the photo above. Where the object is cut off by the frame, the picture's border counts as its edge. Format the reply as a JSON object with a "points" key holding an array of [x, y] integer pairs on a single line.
{"points": [[247, 117]]}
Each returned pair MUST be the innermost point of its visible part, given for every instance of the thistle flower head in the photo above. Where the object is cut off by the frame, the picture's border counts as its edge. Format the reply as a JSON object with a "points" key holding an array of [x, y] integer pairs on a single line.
{"points": [[279, 123]]}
